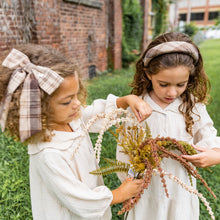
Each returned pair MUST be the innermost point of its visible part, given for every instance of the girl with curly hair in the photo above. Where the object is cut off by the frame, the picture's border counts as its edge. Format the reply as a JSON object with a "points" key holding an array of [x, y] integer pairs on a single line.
{"points": [[41, 104], [171, 78]]}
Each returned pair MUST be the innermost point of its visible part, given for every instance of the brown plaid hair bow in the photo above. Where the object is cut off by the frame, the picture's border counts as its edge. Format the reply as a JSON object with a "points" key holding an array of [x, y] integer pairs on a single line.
{"points": [[171, 47], [32, 77]]}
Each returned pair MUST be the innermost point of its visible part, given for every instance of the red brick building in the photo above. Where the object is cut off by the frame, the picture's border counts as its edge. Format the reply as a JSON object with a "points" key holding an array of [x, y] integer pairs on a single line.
{"points": [[203, 13], [89, 32]]}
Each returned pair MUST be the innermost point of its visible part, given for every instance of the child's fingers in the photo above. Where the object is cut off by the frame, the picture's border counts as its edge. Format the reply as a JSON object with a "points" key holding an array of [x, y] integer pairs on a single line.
{"points": [[201, 149], [195, 157], [145, 111], [140, 108], [191, 157], [134, 182], [137, 115], [196, 160], [142, 114], [138, 181], [129, 178]]}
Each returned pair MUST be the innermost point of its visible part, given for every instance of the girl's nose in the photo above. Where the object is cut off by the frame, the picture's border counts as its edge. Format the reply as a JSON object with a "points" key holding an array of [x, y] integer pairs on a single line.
{"points": [[76, 103], [172, 92]]}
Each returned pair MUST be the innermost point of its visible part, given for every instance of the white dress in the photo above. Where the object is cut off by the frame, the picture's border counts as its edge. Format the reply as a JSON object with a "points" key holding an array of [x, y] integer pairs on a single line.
{"points": [[61, 186], [181, 205]]}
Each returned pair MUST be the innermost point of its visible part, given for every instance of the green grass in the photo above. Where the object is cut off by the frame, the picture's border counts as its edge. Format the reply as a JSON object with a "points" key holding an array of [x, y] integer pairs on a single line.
{"points": [[211, 53], [14, 180], [211, 56]]}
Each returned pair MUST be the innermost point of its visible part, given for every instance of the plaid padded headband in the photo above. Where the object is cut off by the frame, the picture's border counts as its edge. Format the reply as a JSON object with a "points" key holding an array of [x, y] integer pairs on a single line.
{"points": [[171, 47], [30, 101]]}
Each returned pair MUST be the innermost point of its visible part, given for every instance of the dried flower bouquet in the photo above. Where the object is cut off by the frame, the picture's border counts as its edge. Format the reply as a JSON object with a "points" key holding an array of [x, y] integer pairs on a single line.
{"points": [[145, 154]]}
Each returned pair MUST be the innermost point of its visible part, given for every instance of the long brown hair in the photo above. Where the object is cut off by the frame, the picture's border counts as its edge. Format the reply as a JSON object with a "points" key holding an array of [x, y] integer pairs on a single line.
{"points": [[198, 85]]}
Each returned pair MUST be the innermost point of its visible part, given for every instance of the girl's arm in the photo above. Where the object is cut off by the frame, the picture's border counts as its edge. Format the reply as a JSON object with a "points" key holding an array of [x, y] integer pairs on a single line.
{"points": [[139, 107], [207, 157]]}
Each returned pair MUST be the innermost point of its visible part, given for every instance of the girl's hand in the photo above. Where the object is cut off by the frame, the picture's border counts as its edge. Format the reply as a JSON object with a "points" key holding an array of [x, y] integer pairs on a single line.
{"points": [[140, 108], [128, 189], [207, 157]]}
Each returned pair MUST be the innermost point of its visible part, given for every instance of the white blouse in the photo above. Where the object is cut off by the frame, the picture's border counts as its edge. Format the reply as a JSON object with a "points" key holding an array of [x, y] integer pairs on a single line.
{"points": [[180, 205], [61, 186]]}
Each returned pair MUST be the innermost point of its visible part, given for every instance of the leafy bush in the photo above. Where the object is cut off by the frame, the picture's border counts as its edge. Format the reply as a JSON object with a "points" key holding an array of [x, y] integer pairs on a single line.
{"points": [[217, 23], [132, 30], [199, 37], [190, 29]]}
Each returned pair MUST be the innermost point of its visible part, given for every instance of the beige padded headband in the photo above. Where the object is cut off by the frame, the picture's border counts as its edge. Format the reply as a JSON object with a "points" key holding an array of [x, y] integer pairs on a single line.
{"points": [[171, 47]]}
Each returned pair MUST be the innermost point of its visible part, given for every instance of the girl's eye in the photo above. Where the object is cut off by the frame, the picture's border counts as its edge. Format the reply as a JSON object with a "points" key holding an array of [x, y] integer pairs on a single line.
{"points": [[163, 85], [181, 85], [66, 103]]}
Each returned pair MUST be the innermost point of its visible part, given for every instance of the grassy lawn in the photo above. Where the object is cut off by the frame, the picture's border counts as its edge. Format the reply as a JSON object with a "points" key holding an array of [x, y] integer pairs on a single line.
{"points": [[210, 52], [14, 186]]}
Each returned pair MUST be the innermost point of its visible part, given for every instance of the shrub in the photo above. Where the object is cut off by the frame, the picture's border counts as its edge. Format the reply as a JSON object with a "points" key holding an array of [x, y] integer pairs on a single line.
{"points": [[190, 29], [132, 30]]}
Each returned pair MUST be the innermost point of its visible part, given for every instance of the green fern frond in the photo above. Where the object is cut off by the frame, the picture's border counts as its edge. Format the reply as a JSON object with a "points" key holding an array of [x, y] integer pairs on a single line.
{"points": [[110, 161], [113, 167]]}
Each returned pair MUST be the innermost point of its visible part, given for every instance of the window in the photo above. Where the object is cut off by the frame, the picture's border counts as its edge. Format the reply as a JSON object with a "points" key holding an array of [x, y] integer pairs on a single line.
{"points": [[89, 3], [197, 16], [182, 17], [214, 15]]}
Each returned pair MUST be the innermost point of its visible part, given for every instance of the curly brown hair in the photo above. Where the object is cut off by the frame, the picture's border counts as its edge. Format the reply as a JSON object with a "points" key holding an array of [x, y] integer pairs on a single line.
{"points": [[44, 56], [198, 86]]}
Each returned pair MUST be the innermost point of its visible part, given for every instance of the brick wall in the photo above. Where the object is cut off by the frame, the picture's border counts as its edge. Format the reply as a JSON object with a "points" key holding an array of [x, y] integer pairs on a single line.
{"points": [[79, 30], [10, 25]]}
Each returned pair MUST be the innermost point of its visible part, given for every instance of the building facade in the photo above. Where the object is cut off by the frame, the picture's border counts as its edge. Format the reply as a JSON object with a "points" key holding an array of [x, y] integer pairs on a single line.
{"points": [[89, 32], [203, 13]]}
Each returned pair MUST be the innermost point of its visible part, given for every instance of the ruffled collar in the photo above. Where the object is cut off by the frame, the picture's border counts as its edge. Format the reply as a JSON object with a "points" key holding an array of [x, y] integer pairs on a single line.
{"points": [[61, 139], [174, 106]]}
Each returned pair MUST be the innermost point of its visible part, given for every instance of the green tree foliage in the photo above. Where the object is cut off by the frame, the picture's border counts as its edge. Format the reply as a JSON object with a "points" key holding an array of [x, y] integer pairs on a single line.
{"points": [[132, 30], [160, 7]]}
